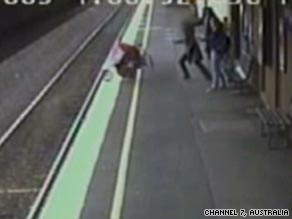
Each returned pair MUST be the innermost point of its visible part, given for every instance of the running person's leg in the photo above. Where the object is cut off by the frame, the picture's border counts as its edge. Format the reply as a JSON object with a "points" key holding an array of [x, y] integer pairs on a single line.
{"points": [[182, 62], [197, 57]]}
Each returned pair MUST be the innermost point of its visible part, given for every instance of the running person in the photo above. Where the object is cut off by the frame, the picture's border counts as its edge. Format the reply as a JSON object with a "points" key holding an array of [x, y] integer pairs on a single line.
{"points": [[192, 49]]}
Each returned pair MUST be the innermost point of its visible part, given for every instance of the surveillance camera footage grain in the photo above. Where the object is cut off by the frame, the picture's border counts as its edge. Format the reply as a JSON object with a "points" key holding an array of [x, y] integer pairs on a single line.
{"points": [[145, 109]]}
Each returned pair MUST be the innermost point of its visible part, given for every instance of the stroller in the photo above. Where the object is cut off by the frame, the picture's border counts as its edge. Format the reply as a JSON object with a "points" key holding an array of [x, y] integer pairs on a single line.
{"points": [[127, 59], [229, 68]]}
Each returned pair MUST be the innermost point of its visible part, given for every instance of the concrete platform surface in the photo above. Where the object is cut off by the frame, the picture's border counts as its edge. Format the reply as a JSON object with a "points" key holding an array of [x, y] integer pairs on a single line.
{"points": [[191, 150]]}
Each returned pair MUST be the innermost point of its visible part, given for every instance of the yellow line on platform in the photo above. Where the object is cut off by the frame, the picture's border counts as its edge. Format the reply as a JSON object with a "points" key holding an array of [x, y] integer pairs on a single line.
{"points": [[119, 194]]}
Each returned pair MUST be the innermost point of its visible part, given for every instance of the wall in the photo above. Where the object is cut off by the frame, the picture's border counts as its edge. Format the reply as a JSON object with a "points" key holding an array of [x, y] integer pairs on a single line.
{"points": [[286, 85]]}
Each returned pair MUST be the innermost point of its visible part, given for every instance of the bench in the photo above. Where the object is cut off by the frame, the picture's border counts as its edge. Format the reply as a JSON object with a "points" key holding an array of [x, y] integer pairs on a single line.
{"points": [[274, 124]]}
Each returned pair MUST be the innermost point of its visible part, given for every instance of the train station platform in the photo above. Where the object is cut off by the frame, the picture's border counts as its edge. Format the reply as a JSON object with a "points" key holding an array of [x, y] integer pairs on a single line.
{"points": [[160, 147]]}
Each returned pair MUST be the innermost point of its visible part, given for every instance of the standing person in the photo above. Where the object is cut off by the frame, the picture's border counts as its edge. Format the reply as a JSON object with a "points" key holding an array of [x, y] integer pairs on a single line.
{"points": [[209, 16], [192, 50], [219, 46]]}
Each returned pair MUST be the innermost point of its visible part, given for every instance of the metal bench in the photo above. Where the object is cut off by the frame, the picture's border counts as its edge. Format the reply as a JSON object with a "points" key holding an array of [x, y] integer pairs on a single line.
{"points": [[275, 124]]}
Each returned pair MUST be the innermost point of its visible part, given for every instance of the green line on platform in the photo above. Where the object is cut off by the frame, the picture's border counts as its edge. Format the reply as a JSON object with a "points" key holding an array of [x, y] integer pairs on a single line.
{"points": [[68, 194]]}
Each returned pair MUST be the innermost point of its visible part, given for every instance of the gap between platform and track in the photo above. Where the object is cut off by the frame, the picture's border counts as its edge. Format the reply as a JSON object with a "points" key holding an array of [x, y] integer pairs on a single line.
{"points": [[29, 109], [68, 191]]}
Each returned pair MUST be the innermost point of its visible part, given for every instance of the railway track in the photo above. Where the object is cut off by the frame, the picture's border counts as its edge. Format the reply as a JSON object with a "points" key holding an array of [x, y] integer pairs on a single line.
{"points": [[55, 79], [30, 145]]}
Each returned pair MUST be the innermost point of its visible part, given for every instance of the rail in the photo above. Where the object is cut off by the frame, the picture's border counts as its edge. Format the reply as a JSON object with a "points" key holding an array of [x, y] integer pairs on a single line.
{"points": [[39, 201], [35, 102]]}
